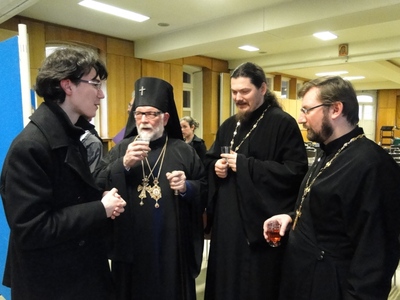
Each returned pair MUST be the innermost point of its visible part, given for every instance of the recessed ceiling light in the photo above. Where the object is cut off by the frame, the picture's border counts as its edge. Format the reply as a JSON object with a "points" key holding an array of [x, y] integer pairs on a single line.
{"points": [[334, 73], [119, 12], [325, 35], [353, 77], [248, 48]]}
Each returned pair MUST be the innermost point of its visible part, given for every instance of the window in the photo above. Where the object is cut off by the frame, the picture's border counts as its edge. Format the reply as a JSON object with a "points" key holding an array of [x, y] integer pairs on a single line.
{"points": [[366, 112], [187, 78], [193, 94]]}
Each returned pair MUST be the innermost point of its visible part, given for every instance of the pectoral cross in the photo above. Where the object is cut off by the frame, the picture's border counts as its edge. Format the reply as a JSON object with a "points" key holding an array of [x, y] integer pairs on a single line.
{"points": [[296, 219], [142, 188]]}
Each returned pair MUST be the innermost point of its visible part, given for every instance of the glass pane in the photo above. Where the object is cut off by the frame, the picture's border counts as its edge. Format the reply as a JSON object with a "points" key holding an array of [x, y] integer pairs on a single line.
{"points": [[365, 99], [368, 112], [186, 99], [285, 89], [187, 77]]}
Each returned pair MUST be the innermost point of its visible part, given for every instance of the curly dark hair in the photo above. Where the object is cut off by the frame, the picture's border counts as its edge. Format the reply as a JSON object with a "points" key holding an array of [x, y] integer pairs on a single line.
{"points": [[71, 62]]}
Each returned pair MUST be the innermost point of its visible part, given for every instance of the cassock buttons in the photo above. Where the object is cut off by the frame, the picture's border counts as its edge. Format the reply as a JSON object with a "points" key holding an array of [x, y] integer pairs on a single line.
{"points": [[81, 243], [321, 255]]}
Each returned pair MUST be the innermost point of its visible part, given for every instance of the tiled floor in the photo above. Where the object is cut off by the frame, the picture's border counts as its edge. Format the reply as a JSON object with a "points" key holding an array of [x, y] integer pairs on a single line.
{"points": [[200, 281], [395, 292]]}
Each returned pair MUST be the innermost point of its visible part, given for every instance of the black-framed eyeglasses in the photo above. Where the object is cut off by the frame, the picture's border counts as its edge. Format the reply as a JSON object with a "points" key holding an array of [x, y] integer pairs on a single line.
{"points": [[150, 115], [96, 84], [307, 110]]}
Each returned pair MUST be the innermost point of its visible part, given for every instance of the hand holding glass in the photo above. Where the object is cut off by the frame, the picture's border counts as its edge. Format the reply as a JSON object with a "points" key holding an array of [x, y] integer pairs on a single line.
{"points": [[274, 238], [143, 139], [225, 149]]}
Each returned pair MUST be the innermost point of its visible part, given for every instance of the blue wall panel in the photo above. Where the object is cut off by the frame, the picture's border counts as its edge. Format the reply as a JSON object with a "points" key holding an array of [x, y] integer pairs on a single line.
{"points": [[12, 124]]}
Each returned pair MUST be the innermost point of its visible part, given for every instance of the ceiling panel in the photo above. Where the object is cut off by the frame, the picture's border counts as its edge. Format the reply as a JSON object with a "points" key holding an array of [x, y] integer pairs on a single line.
{"points": [[282, 29]]}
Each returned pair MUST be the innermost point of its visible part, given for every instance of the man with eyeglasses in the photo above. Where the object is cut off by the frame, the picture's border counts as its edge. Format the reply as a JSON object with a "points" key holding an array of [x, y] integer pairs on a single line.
{"points": [[58, 217], [344, 232], [157, 246]]}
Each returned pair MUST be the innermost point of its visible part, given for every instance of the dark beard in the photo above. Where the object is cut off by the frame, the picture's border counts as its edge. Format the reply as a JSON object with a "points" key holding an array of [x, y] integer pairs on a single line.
{"points": [[243, 116], [324, 134]]}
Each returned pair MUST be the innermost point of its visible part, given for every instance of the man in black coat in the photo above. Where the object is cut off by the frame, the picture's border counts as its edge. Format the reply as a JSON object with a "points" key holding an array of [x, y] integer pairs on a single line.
{"points": [[57, 216]]}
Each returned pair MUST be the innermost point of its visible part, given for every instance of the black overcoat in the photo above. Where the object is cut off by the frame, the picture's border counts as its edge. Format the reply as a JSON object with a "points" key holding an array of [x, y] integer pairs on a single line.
{"points": [[57, 223], [200, 147]]}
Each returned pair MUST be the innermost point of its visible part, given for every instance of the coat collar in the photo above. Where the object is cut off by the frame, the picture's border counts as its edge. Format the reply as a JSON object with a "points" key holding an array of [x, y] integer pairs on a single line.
{"points": [[57, 128], [335, 145], [55, 125]]}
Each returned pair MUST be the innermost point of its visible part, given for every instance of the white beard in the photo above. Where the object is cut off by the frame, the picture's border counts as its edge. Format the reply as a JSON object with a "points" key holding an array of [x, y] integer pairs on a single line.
{"points": [[152, 132]]}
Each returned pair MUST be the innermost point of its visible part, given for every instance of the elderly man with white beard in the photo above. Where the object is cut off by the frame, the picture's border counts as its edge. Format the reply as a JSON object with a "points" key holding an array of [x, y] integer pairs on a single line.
{"points": [[156, 249]]}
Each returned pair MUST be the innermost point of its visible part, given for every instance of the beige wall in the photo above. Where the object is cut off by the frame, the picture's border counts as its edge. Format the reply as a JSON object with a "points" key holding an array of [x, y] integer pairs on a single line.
{"points": [[124, 69]]}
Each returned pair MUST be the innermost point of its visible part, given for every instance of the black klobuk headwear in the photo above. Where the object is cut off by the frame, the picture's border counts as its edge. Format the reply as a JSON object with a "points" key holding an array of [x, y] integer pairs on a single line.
{"points": [[158, 93]]}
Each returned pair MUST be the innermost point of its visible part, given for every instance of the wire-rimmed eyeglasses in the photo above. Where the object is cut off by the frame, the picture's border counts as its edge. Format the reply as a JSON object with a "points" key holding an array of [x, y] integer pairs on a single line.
{"points": [[96, 84], [307, 110], [150, 115]]}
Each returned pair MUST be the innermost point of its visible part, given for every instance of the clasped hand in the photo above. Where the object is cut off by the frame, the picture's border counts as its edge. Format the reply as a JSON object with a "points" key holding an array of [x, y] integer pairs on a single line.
{"points": [[136, 151], [113, 203]]}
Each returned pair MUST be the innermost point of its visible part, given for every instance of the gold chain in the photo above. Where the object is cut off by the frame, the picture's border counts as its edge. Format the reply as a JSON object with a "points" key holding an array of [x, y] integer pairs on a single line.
{"points": [[307, 188], [155, 190], [247, 135]]}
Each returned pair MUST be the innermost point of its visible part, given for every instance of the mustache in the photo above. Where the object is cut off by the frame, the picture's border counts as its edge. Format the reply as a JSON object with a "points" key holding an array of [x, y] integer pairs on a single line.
{"points": [[241, 102], [145, 126]]}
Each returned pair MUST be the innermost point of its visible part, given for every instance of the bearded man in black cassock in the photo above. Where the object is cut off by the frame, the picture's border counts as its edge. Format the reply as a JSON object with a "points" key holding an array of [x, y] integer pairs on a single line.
{"points": [[344, 232], [258, 178], [157, 249]]}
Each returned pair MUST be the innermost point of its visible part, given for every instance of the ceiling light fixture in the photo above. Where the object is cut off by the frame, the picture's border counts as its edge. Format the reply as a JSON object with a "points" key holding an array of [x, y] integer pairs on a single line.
{"points": [[353, 77], [119, 12], [325, 35], [248, 48], [334, 73]]}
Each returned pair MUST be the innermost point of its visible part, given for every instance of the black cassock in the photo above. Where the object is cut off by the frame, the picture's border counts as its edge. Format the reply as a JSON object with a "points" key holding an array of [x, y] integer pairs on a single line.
{"points": [[151, 253], [271, 163], [345, 244]]}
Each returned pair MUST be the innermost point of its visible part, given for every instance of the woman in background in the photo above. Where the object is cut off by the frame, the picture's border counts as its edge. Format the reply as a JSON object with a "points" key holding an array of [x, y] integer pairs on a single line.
{"points": [[188, 126]]}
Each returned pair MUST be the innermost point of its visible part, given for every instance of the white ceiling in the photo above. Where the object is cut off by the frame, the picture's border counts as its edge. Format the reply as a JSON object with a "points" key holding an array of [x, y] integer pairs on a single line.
{"points": [[282, 29]]}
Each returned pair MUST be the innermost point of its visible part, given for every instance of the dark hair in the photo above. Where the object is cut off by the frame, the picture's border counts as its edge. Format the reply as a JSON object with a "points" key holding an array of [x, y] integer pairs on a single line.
{"points": [[257, 77], [72, 63], [335, 89], [191, 121]]}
